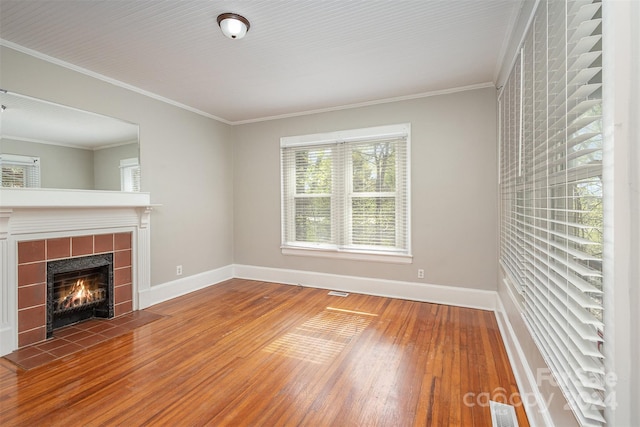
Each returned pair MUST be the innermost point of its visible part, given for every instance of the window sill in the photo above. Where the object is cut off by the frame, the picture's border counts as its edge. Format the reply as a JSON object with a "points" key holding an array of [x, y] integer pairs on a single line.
{"points": [[349, 255]]}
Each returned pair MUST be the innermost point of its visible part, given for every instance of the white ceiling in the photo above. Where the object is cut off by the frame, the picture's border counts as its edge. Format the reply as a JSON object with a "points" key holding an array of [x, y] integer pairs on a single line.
{"points": [[298, 56], [35, 120]]}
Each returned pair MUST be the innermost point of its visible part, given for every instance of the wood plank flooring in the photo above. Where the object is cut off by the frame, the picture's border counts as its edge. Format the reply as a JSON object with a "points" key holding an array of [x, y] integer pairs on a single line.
{"points": [[249, 353]]}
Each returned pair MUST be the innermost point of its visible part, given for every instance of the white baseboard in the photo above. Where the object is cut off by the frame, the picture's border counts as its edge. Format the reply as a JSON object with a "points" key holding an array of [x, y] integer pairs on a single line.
{"points": [[533, 401], [450, 295], [175, 288]]}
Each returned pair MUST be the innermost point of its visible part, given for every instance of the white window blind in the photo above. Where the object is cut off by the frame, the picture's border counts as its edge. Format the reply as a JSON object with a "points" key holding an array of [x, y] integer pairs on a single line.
{"points": [[347, 191], [130, 174], [20, 171], [551, 195]]}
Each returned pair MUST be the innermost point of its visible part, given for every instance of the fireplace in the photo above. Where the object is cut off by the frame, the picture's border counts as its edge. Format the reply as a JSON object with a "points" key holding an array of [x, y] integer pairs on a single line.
{"points": [[65, 280], [79, 289], [44, 225]]}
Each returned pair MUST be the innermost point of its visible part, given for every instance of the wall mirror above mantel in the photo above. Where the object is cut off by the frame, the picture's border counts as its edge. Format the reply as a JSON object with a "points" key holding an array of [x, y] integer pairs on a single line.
{"points": [[51, 146]]}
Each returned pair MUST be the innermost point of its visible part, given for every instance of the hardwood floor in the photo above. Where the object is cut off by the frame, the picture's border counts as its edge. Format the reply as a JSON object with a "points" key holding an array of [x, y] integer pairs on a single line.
{"points": [[254, 353]]}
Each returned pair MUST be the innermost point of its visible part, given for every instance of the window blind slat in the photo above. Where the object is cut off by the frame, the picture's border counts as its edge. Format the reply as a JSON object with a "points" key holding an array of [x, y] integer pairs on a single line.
{"points": [[347, 191], [579, 353], [20, 171], [551, 193]]}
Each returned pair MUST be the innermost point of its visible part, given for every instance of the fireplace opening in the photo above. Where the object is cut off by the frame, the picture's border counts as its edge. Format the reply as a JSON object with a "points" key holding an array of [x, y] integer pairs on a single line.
{"points": [[79, 289]]}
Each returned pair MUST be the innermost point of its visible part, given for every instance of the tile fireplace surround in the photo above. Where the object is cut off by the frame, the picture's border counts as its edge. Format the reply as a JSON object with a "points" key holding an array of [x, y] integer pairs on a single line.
{"points": [[38, 225], [33, 256]]}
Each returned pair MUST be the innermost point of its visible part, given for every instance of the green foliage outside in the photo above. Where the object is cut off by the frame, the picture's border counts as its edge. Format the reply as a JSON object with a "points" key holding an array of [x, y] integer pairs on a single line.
{"points": [[371, 197]]}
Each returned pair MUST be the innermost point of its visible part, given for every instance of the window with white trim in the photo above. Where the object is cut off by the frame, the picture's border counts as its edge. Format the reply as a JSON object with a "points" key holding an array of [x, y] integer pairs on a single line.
{"points": [[130, 174], [20, 171], [551, 196], [347, 193]]}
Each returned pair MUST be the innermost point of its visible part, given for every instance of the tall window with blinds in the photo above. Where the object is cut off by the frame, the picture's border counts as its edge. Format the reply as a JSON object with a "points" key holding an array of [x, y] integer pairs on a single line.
{"points": [[551, 195], [347, 191]]}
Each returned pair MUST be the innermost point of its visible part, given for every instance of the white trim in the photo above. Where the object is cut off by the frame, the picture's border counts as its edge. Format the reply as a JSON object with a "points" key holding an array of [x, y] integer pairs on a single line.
{"points": [[349, 255], [18, 159], [621, 104], [369, 103], [125, 163], [437, 294], [518, 32], [514, 20], [401, 130], [62, 144], [537, 411], [176, 288], [53, 198], [8, 294], [104, 78]]}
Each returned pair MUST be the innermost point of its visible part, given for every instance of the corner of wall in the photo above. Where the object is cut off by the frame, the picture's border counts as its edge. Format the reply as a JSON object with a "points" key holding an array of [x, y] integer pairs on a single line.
{"points": [[175, 288]]}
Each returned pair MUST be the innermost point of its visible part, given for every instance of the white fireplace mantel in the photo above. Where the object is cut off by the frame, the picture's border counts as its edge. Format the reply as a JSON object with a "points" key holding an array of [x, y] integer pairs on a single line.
{"points": [[52, 197], [33, 214]]}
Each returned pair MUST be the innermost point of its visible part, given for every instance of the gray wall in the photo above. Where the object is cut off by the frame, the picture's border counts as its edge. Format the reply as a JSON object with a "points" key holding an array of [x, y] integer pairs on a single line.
{"points": [[219, 186], [74, 168], [186, 162], [60, 167], [453, 179], [106, 165]]}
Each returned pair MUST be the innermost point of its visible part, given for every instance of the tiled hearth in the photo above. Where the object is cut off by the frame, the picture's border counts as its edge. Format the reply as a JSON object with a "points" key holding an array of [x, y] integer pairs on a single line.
{"points": [[32, 281], [74, 338]]}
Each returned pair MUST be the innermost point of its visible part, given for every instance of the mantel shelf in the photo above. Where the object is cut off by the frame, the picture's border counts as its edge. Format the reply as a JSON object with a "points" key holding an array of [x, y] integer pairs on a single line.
{"points": [[57, 198]]}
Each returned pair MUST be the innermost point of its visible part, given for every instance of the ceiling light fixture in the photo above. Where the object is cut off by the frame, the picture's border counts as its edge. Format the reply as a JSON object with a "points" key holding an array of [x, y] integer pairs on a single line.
{"points": [[233, 25]]}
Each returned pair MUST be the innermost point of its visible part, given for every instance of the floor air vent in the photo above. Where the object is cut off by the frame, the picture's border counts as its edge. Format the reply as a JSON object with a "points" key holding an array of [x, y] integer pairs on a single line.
{"points": [[502, 415], [338, 294]]}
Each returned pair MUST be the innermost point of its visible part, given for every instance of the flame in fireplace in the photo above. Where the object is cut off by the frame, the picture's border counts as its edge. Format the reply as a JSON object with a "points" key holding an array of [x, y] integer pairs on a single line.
{"points": [[79, 294]]}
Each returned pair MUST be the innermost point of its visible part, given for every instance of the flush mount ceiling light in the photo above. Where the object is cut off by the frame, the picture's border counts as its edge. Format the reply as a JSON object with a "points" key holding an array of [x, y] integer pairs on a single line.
{"points": [[233, 25]]}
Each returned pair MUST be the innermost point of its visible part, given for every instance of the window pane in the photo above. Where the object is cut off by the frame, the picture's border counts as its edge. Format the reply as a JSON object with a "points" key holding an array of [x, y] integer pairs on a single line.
{"points": [[373, 221], [313, 219], [587, 213], [374, 167], [13, 176], [313, 171]]}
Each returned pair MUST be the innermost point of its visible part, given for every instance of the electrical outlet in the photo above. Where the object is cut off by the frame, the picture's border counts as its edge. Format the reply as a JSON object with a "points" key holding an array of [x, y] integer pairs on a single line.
{"points": [[420, 273], [179, 270]]}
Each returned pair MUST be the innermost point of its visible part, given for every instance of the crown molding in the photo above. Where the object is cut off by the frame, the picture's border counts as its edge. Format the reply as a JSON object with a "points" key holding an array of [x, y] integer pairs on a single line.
{"points": [[160, 98], [102, 77], [370, 103]]}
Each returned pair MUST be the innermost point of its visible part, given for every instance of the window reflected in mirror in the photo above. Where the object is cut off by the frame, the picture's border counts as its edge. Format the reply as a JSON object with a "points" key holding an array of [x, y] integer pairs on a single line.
{"points": [[20, 171]]}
